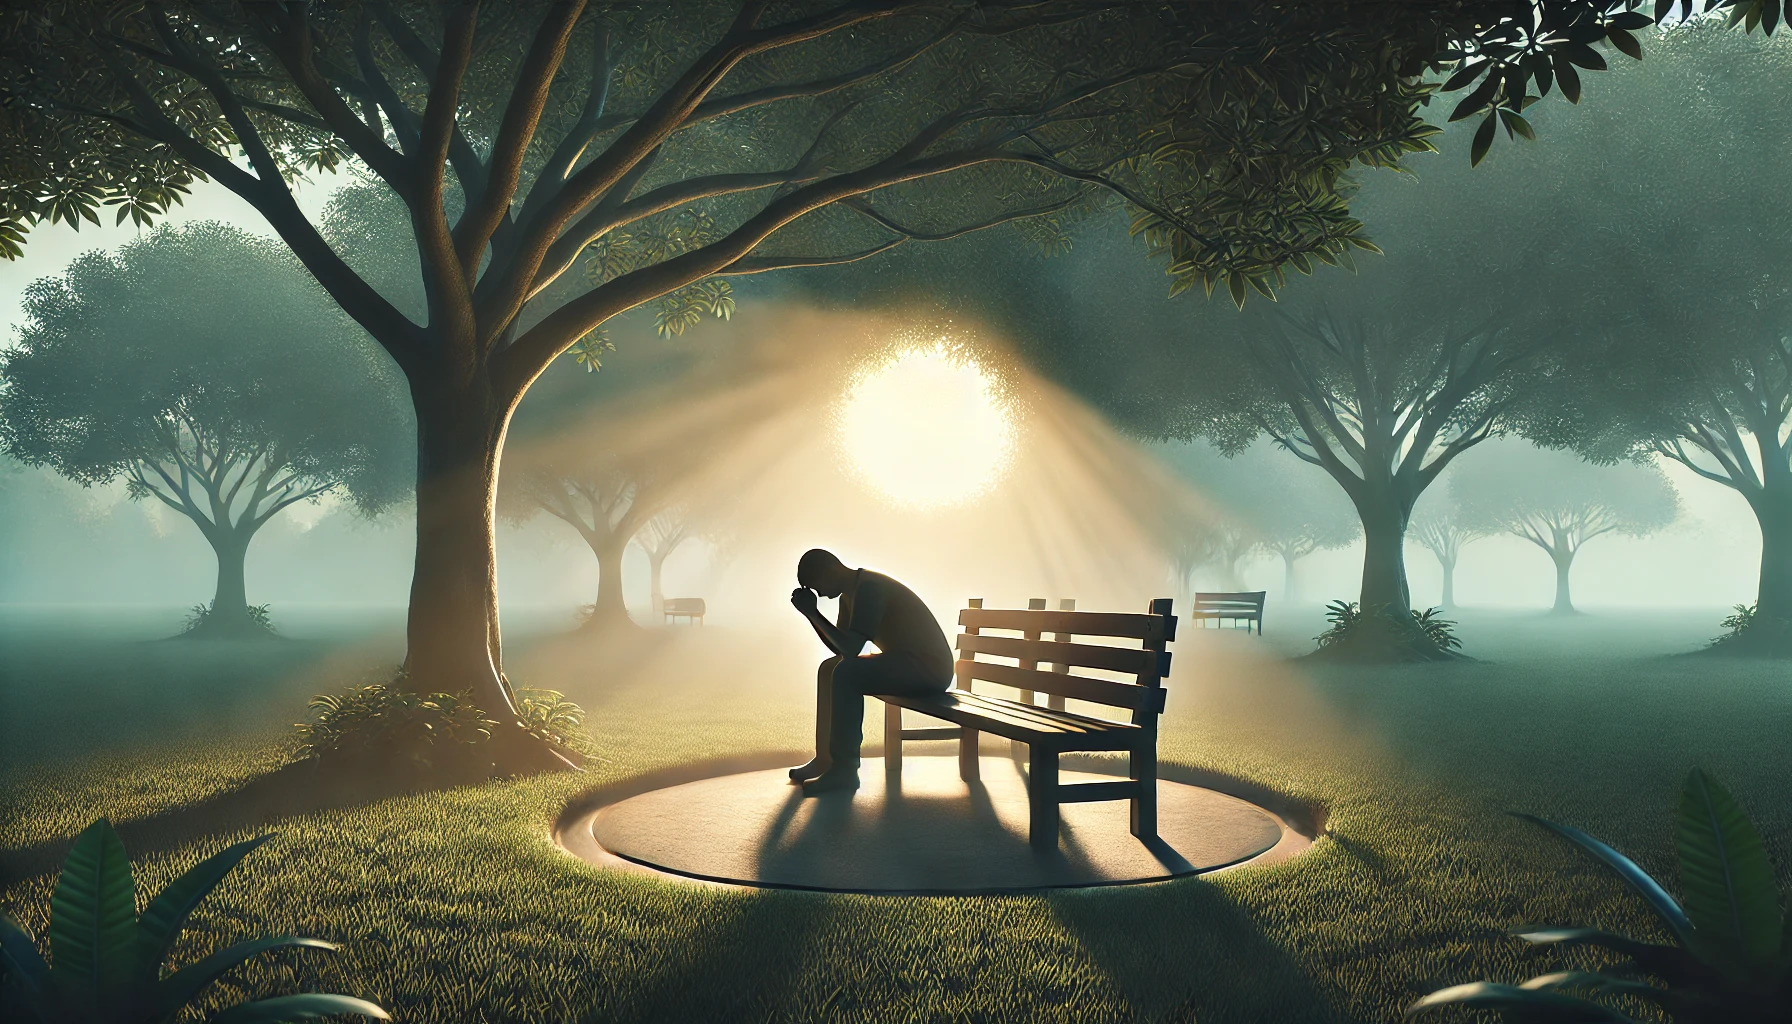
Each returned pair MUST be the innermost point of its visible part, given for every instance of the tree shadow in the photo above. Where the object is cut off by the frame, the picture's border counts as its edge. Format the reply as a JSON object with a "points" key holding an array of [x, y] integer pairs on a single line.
{"points": [[293, 790], [748, 957], [1184, 951]]}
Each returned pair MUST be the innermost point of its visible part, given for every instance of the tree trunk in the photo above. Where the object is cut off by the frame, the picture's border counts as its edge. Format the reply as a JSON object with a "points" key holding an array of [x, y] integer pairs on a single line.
{"points": [[452, 628], [609, 611], [1287, 577], [1449, 597], [1384, 557], [230, 600], [1564, 560], [1773, 598], [656, 561]]}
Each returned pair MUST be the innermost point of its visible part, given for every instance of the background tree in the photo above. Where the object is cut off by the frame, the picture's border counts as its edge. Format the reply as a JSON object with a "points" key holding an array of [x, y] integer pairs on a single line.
{"points": [[205, 368], [668, 143], [1684, 318], [1440, 527], [1559, 503], [658, 537]]}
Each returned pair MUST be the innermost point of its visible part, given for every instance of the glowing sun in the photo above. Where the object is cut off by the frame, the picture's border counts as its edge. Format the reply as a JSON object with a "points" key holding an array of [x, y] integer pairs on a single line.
{"points": [[926, 430]]}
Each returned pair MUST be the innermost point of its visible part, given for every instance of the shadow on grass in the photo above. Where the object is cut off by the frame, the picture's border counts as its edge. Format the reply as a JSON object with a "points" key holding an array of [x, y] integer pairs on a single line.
{"points": [[1184, 951], [747, 964], [295, 789]]}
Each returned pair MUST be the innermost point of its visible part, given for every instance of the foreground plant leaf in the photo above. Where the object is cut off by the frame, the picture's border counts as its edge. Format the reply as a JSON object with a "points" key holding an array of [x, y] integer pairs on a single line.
{"points": [[1732, 897], [93, 922]]}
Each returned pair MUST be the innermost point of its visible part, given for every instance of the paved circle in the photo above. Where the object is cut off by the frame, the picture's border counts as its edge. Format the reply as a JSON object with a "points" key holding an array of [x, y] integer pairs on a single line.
{"points": [[931, 832]]}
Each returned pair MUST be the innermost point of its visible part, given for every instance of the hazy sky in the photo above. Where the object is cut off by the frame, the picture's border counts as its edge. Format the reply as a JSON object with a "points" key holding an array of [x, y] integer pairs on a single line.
{"points": [[1708, 559]]}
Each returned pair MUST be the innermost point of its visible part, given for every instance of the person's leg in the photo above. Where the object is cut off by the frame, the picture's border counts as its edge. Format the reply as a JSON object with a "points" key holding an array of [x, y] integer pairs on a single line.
{"points": [[824, 703], [853, 679]]}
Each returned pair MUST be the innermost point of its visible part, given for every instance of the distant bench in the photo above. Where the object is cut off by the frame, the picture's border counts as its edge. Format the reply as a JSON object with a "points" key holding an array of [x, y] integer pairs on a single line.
{"points": [[1245, 607], [1049, 730], [690, 609]]}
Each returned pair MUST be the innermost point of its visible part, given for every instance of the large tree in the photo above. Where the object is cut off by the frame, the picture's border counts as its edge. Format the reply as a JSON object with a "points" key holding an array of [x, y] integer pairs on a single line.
{"points": [[667, 143], [1559, 502], [204, 367], [1685, 315]]}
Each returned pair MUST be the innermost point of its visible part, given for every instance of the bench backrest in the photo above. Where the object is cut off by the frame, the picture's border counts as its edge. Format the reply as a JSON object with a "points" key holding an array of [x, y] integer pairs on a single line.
{"points": [[1241, 605], [684, 606], [1148, 664]]}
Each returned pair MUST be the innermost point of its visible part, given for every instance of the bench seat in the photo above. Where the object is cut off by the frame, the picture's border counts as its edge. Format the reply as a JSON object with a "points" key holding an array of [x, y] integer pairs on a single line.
{"points": [[1029, 723]]}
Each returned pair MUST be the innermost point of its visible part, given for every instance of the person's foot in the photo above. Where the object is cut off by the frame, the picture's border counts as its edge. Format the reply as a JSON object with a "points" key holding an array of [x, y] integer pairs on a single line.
{"points": [[831, 781], [813, 770]]}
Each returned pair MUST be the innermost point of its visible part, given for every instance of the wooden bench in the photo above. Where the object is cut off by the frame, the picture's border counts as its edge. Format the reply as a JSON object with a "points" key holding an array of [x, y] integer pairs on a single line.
{"points": [[1245, 607], [690, 609], [1049, 730]]}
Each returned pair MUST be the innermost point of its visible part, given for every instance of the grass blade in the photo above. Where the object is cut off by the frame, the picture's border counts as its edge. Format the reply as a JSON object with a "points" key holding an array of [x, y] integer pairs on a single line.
{"points": [[167, 914], [1731, 895], [308, 1006], [1651, 891], [93, 920]]}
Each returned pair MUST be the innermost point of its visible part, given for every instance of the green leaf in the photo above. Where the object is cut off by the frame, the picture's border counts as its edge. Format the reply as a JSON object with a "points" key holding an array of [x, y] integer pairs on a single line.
{"points": [[1478, 99], [1235, 283], [1483, 141], [1515, 122], [1625, 868], [1464, 75], [93, 921], [1629, 20], [1731, 895], [1584, 55], [167, 914], [20, 961], [308, 1006], [179, 988], [1567, 79], [1626, 42], [1545, 1005]]}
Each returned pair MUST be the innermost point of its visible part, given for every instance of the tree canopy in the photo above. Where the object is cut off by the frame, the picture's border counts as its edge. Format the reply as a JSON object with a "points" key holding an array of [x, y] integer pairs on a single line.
{"points": [[205, 368]]}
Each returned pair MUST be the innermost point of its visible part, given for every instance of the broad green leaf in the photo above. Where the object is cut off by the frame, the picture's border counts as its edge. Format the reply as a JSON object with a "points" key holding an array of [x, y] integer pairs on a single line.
{"points": [[1515, 122], [167, 914], [1537, 1005], [20, 961], [1731, 895], [1585, 56], [1648, 888], [1567, 79], [1477, 151], [1235, 283], [308, 1006], [1626, 42], [179, 988], [93, 920]]}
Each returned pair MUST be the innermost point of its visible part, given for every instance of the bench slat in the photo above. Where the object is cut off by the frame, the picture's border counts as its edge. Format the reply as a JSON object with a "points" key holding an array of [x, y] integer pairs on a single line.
{"points": [[1146, 627], [1113, 659], [1130, 696], [1023, 722]]}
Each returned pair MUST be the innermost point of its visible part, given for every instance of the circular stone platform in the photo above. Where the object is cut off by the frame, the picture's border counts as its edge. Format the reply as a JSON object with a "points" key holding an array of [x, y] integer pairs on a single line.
{"points": [[929, 832]]}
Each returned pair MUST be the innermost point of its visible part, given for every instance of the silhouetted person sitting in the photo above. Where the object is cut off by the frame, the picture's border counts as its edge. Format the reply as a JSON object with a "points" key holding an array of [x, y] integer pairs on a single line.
{"points": [[914, 658]]}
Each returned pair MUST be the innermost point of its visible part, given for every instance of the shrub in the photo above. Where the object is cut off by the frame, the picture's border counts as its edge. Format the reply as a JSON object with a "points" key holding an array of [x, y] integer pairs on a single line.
{"points": [[1747, 631], [548, 714], [1425, 633], [107, 960], [200, 619], [383, 721], [1731, 958]]}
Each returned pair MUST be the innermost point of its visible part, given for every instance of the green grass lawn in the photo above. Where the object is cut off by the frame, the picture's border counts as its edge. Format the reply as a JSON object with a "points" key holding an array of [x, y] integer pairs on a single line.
{"points": [[456, 907]]}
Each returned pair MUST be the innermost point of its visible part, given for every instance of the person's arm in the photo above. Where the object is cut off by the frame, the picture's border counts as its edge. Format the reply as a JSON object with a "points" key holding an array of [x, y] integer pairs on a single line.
{"points": [[844, 642]]}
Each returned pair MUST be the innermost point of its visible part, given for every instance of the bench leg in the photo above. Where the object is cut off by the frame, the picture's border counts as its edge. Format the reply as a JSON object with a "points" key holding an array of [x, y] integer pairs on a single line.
{"points": [[1144, 806], [1042, 799], [969, 768], [892, 738]]}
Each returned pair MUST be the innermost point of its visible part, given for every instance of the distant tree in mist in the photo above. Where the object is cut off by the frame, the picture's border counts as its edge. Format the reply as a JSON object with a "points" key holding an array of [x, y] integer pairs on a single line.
{"points": [[1560, 503], [1682, 297], [203, 367], [1260, 502], [658, 537], [1440, 526]]}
